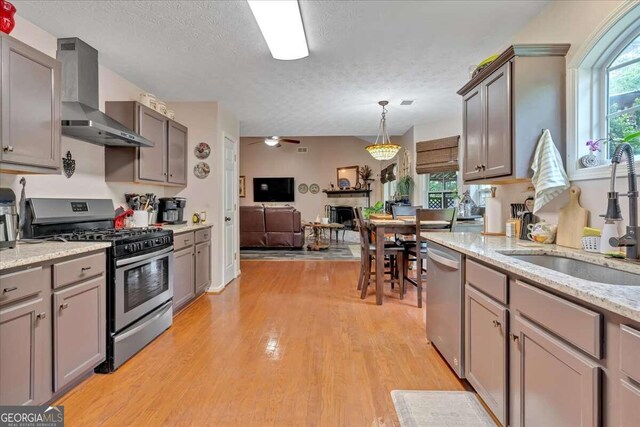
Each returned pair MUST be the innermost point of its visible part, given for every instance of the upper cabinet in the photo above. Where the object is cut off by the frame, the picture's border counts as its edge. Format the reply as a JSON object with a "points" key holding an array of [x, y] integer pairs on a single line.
{"points": [[505, 108], [165, 163], [30, 89]]}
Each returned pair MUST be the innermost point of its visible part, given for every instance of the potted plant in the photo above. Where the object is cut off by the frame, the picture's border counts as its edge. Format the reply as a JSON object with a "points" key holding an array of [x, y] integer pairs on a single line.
{"points": [[404, 187], [375, 209]]}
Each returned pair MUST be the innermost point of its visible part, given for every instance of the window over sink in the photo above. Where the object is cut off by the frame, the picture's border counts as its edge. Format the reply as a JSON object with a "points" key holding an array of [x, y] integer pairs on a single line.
{"points": [[603, 92]]}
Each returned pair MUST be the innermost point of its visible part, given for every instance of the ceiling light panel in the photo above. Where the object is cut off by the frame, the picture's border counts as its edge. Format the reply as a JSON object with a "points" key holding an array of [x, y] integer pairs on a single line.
{"points": [[281, 25]]}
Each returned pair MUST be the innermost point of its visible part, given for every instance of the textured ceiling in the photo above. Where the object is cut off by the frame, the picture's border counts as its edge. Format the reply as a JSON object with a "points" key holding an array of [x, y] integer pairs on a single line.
{"points": [[360, 52]]}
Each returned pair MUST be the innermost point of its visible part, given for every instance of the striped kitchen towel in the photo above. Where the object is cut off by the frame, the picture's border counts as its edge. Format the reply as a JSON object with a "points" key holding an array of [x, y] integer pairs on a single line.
{"points": [[549, 177]]}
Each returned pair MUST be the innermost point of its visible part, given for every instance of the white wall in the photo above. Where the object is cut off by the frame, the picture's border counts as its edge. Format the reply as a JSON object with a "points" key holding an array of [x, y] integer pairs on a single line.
{"points": [[207, 121], [88, 180], [318, 166], [571, 22]]}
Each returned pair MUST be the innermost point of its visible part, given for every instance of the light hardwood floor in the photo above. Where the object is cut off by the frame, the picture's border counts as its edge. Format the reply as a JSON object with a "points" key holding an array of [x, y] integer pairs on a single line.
{"points": [[287, 344]]}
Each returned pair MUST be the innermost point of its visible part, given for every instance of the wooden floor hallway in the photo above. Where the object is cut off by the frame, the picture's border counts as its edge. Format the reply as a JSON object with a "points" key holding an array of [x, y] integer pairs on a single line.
{"points": [[289, 343]]}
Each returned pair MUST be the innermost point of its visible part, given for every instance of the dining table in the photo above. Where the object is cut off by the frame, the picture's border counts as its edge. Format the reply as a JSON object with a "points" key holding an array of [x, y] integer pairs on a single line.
{"points": [[405, 225]]}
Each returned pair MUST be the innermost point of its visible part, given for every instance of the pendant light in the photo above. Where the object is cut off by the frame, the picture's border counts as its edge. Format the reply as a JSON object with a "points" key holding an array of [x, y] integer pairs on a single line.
{"points": [[384, 150]]}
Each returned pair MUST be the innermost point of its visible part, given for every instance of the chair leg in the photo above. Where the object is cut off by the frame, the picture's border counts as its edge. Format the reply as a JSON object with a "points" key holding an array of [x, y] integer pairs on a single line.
{"points": [[419, 283], [401, 274], [366, 278], [362, 272]]}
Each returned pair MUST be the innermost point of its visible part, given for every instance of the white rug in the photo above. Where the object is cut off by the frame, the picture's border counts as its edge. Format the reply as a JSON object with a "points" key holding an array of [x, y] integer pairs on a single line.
{"points": [[440, 409]]}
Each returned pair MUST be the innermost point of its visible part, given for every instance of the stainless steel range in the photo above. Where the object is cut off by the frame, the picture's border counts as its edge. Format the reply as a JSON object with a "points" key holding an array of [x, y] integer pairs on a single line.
{"points": [[139, 271]]}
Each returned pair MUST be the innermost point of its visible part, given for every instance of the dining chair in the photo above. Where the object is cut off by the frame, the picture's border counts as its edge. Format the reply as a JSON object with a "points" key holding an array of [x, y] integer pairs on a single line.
{"points": [[368, 254], [403, 210], [418, 251]]}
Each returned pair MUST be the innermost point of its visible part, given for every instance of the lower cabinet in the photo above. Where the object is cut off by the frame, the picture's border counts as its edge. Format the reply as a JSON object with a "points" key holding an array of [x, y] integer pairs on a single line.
{"points": [[192, 266], [551, 384], [203, 266], [23, 333], [486, 350], [79, 328], [183, 281]]}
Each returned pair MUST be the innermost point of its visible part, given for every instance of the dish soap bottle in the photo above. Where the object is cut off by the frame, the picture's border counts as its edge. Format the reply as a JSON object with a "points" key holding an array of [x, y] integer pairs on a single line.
{"points": [[609, 230]]}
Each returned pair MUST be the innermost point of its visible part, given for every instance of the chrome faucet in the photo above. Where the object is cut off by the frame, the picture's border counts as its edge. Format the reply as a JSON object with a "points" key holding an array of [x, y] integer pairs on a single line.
{"points": [[630, 239]]}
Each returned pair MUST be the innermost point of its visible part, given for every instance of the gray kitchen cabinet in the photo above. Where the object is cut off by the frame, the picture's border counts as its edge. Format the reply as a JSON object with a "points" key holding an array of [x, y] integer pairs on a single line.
{"points": [[551, 384], [30, 94], [472, 137], [79, 328], [505, 108], [177, 160], [203, 266], [165, 163], [153, 160], [23, 333], [497, 135], [486, 350], [183, 277]]}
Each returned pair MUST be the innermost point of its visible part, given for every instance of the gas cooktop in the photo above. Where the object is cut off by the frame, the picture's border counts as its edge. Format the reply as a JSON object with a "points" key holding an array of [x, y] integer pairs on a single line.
{"points": [[111, 234]]}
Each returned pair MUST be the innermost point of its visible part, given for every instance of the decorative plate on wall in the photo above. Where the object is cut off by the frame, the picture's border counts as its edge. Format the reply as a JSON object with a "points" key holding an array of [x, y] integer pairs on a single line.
{"points": [[201, 170], [303, 188], [314, 188], [202, 150], [344, 183]]}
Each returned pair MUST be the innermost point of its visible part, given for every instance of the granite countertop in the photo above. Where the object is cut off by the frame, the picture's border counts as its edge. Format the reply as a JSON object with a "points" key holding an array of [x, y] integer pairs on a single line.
{"points": [[183, 228], [621, 299], [32, 253]]}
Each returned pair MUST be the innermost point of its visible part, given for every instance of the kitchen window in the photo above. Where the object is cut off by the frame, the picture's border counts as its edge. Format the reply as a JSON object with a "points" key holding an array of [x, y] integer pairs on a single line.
{"points": [[623, 95], [441, 190], [603, 92]]}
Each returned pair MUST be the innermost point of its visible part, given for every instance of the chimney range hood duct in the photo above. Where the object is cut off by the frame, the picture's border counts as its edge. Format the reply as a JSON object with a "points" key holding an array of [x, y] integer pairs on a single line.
{"points": [[81, 118]]}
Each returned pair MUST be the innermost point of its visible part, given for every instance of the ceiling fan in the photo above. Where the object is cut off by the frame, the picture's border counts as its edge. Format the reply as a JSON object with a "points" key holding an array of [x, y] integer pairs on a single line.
{"points": [[275, 141]]}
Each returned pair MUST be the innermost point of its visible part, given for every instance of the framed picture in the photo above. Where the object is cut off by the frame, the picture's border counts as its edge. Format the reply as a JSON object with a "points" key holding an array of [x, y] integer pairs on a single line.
{"points": [[242, 188], [348, 176]]}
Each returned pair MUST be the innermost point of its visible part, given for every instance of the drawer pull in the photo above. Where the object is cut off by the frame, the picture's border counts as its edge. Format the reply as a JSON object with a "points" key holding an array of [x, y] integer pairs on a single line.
{"points": [[7, 290], [85, 268], [514, 337], [186, 241], [64, 306], [41, 316], [496, 324]]}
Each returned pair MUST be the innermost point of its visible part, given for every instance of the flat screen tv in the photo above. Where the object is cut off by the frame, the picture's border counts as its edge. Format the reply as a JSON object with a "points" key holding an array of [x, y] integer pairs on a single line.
{"points": [[273, 190]]}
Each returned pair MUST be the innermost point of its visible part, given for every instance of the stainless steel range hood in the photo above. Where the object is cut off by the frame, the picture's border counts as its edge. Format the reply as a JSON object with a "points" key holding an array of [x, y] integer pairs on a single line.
{"points": [[81, 117]]}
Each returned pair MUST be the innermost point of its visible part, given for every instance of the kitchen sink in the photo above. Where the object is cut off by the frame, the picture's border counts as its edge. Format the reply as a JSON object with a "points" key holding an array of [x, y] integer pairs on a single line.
{"points": [[582, 269]]}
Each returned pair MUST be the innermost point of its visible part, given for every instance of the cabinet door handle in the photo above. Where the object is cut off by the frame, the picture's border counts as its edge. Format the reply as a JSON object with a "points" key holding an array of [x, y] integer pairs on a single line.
{"points": [[85, 268], [9, 148], [514, 337], [496, 324], [478, 168], [7, 290], [64, 306], [484, 167], [41, 316]]}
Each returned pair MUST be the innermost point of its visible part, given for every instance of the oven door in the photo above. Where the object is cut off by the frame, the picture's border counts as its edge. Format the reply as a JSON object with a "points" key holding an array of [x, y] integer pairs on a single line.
{"points": [[143, 283]]}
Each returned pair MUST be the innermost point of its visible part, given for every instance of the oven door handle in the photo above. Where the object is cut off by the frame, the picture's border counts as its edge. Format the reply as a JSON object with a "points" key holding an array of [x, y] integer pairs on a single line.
{"points": [[144, 257], [135, 329]]}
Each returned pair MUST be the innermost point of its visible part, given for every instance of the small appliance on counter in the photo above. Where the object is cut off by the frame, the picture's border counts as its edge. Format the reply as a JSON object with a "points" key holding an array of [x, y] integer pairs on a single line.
{"points": [[8, 218], [171, 210]]}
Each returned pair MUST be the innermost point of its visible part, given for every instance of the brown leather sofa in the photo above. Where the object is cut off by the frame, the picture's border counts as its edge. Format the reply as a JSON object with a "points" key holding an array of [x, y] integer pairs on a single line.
{"points": [[270, 227]]}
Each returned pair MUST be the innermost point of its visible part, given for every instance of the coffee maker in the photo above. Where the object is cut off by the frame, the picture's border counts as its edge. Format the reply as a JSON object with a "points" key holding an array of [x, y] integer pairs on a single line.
{"points": [[8, 219], [171, 210]]}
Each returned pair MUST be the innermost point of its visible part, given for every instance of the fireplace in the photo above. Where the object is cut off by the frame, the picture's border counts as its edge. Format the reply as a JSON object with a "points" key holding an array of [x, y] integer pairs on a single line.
{"points": [[344, 215]]}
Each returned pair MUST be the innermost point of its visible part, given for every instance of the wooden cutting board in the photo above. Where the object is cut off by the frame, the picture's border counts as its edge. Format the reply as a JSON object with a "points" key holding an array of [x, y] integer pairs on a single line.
{"points": [[572, 221]]}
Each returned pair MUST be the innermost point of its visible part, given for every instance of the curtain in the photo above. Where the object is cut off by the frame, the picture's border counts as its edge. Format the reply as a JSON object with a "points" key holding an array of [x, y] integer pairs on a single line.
{"points": [[437, 155]]}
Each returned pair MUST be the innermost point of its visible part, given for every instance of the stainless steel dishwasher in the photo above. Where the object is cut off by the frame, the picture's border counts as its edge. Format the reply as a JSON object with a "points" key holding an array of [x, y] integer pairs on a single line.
{"points": [[445, 304]]}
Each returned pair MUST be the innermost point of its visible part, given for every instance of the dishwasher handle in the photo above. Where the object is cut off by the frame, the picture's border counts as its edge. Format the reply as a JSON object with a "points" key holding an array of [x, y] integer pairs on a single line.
{"points": [[440, 258]]}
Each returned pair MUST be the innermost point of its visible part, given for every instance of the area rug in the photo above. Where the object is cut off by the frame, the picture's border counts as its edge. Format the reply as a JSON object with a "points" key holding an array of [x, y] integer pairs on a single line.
{"points": [[440, 409]]}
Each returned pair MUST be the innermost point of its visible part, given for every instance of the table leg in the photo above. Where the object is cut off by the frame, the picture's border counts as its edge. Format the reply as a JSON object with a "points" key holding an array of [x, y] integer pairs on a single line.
{"points": [[379, 264]]}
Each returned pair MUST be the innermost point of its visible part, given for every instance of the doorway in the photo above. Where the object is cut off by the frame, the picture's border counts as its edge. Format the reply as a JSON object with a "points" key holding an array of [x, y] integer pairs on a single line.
{"points": [[230, 205]]}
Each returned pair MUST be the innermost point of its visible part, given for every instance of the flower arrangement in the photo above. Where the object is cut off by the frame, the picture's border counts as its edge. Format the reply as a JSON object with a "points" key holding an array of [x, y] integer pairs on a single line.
{"points": [[596, 145]]}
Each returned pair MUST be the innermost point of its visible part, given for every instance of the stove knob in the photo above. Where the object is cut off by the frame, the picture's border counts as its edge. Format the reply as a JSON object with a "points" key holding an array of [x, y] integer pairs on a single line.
{"points": [[128, 248], [158, 241]]}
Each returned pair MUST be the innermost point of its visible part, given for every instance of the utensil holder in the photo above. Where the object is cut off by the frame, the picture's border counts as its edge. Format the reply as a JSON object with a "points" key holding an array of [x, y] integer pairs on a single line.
{"points": [[591, 243]]}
